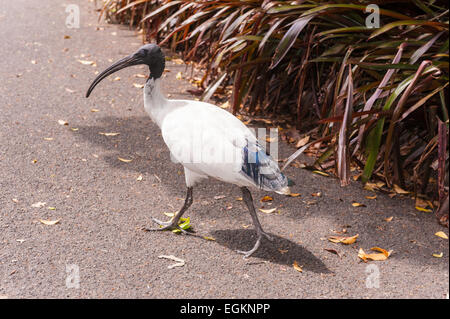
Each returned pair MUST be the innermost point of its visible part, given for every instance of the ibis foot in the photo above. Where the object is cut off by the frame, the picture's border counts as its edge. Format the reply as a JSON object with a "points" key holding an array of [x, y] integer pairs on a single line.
{"points": [[169, 225], [173, 223], [256, 246]]}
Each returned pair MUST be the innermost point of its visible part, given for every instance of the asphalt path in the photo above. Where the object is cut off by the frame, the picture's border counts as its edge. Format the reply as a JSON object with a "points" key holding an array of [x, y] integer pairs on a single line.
{"points": [[50, 171]]}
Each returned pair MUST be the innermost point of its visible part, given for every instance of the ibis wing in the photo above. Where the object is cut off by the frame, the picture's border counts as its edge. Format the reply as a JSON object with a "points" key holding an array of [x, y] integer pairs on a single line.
{"points": [[213, 142], [262, 169]]}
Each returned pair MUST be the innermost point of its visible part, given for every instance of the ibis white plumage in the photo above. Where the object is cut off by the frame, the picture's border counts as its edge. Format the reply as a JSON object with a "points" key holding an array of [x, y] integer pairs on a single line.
{"points": [[207, 140]]}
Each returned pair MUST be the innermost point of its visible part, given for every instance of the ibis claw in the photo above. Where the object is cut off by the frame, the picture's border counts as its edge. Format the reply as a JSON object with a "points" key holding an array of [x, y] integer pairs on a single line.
{"points": [[161, 223], [169, 225], [251, 251], [256, 246]]}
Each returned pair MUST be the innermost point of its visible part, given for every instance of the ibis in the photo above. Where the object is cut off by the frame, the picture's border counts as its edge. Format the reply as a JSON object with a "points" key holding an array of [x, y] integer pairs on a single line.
{"points": [[206, 139]]}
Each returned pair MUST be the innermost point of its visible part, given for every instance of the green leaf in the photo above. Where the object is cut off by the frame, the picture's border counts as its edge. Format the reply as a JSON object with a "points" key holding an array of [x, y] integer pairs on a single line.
{"points": [[389, 26], [345, 30], [424, 48], [285, 8], [354, 7], [135, 3], [160, 9], [212, 88], [269, 33], [373, 146], [183, 223], [289, 38]]}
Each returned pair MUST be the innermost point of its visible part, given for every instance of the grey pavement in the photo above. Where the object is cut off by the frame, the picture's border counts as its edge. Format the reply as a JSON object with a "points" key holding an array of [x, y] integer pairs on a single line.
{"points": [[102, 206]]}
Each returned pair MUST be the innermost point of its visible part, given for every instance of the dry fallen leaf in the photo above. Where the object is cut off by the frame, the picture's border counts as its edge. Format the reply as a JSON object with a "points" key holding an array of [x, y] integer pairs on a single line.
{"points": [[373, 186], [117, 78], [320, 173], [302, 142], [180, 262], [95, 110], [85, 62], [225, 105], [426, 210], [355, 204], [124, 160], [209, 238], [375, 256], [297, 267], [38, 204], [370, 187], [423, 203], [389, 218], [317, 194], [371, 197], [438, 255], [137, 85], [178, 61], [441, 234], [108, 134], [294, 194], [49, 222], [343, 239], [268, 211], [140, 75], [400, 190], [266, 199], [333, 251]]}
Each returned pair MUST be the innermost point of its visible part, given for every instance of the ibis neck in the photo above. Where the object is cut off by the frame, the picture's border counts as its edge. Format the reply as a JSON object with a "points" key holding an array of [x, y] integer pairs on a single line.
{"points": [[156, 105]]}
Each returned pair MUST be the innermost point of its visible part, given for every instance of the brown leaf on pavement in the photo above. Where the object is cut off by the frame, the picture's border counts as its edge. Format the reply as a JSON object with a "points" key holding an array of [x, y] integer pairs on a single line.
{"points": [[297, 267], [343, 239], [49, 222]]}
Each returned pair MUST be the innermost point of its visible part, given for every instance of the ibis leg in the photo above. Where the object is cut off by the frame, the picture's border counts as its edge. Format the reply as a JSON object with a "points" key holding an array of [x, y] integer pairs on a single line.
{"points": [[247, 197], [173, 223]]}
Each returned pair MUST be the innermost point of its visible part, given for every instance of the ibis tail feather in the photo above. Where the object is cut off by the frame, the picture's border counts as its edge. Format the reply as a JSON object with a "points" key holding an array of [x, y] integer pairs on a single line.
{"points": [[263, 170]]}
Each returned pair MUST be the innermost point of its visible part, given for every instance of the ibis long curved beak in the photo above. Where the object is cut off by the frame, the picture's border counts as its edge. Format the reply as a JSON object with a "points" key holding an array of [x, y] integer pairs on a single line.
{"points": [[133, 59]]}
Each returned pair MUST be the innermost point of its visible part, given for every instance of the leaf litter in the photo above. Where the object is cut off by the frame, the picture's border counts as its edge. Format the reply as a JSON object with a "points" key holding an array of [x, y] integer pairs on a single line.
{"points": [[383, 255], [347, 240], [180, 262]]}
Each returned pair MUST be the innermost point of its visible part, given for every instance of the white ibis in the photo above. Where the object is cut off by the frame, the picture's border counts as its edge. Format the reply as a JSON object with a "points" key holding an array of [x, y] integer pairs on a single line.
{"points": [[207, 140]]}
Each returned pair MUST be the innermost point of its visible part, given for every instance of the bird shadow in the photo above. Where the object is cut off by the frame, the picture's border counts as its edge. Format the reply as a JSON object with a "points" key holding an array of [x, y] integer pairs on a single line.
{"points": [[280, 250], [139, 141]]}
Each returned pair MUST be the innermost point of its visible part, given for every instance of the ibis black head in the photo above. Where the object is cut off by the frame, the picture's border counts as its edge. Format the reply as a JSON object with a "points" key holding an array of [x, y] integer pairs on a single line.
{"points": [[149, 54]]}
